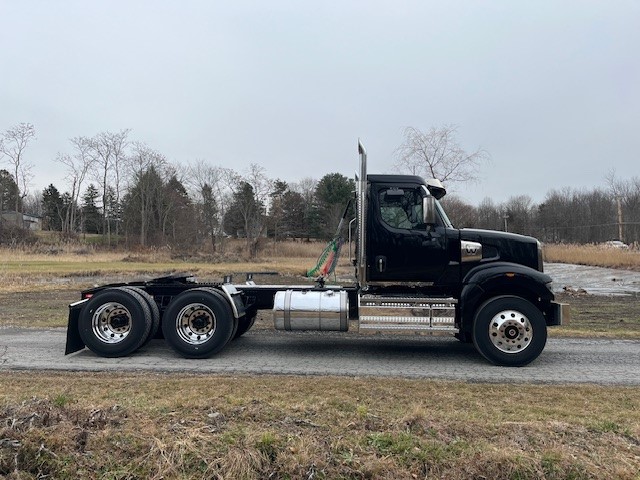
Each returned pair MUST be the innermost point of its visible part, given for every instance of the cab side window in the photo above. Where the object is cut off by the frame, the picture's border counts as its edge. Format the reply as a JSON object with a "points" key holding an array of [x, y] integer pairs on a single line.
{"points": [[401, 208]]}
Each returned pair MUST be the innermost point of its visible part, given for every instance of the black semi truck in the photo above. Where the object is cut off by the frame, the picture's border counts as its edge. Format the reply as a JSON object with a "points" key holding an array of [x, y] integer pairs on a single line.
{"points": [[414, 272]]}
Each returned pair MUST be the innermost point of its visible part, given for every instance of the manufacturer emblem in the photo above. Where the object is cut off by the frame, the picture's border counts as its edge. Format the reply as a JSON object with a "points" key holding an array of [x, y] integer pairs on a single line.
{"points": [[470, 251]]}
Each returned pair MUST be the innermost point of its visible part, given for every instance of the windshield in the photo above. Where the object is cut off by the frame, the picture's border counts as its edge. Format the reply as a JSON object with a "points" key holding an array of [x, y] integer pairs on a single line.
{"points": [[443, 215]]}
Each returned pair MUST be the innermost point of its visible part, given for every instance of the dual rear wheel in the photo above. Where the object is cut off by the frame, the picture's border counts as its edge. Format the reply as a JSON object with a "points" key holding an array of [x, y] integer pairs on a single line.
{"points": [[117, 321], [197, 323]]}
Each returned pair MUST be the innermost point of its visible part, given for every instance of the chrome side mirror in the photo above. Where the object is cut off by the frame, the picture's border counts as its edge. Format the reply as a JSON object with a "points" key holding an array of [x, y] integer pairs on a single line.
{"points": [[429, 211]]}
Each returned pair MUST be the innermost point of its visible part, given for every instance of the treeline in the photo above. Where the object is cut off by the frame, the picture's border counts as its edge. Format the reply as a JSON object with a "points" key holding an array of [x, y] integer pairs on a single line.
{"points": [[564, 216], [130, 193]]}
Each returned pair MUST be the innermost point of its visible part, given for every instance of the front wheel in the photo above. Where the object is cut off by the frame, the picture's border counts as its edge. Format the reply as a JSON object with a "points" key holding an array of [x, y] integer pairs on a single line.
{"points": [[509, 331]]}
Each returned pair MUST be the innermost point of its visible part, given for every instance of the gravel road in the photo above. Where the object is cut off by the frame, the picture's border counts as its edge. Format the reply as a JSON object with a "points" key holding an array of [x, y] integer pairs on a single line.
{"points": [[606, 362]]}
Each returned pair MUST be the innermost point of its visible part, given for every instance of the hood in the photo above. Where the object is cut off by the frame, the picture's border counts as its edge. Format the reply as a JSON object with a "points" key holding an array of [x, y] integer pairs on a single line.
{"points": [[506, 247]]}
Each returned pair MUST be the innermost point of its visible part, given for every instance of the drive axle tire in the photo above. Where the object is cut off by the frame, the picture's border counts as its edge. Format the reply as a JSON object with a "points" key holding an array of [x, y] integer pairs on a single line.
{"points": [[115, 322], [155, 311], [245, 323], [509, 331], [198, 323]]}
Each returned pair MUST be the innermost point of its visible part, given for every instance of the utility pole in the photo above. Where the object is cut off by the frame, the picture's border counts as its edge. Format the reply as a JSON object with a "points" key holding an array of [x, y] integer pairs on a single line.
{"points": [[619, 202]]}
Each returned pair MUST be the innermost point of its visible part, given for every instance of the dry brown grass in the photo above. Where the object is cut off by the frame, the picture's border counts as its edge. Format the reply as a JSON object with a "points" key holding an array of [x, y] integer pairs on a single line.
{"points": [[595, 255], [22, 266], [170, 426], [19, 266]]}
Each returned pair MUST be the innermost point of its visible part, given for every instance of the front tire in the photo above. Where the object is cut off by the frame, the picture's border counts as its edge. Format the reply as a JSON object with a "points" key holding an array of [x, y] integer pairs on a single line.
{"points": [[509, 331], [198, 323]]}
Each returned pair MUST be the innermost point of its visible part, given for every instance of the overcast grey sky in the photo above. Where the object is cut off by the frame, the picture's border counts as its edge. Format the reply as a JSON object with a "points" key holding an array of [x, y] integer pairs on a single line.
{"points": [[551, 89]]}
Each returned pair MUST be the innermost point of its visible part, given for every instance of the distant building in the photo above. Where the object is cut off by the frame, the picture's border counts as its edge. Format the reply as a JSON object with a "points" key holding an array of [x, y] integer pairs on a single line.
{"points": [[31, 222]]}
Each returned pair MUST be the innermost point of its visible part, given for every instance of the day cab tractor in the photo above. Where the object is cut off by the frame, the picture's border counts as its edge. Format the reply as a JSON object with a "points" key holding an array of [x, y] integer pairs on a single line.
{"points": [[413, 272]]}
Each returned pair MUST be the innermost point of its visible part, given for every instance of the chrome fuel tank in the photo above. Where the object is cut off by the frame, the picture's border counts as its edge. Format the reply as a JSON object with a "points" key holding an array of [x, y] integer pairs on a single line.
{"points": [[325, 310]]}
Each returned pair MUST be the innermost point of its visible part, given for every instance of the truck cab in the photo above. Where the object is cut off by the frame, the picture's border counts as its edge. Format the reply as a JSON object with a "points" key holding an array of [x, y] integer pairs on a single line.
{"points": [[487, 287]]}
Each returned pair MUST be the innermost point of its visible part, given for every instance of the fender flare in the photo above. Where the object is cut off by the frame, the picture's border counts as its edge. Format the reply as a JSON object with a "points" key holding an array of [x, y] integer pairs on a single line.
{"points": [[502, 278]]}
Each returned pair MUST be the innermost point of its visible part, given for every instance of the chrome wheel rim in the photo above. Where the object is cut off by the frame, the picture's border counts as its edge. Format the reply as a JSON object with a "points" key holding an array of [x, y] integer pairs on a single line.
{"points": [[111, 322], [510, 331], [195, 323]]}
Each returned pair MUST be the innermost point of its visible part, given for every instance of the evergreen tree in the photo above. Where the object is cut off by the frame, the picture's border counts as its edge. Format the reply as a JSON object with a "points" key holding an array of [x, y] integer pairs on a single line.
{"points": [[276, 214], [333, 193], [294, 215], [9, 192], [176, 213], [114, 210], [91, 214], [209, 214], [53, 208], [140, 207], [245, 214]]}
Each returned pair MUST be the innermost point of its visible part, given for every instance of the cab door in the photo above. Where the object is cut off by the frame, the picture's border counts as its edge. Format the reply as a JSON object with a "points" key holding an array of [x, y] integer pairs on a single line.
{"points": [[400, 247]]}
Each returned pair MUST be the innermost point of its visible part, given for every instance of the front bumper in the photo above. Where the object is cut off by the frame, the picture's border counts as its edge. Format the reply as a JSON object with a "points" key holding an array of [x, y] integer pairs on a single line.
{"points": [[560, 314]]}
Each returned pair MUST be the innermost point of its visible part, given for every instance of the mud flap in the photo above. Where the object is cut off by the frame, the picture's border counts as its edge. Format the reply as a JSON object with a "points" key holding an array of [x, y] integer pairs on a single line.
{"points": [[74, 342]]}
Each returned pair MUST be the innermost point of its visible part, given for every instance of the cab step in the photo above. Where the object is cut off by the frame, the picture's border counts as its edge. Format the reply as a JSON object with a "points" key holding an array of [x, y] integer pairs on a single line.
{"points": [[408, 313]]}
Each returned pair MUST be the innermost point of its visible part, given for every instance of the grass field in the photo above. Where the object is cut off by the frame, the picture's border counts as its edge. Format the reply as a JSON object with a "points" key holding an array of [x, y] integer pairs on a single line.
{"points": [[122, 426], [110, 426], [596, 255], [289, 258]]}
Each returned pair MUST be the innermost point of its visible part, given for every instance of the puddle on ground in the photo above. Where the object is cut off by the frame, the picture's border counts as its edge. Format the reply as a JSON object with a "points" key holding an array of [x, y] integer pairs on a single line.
{"points": [[594, 280]]}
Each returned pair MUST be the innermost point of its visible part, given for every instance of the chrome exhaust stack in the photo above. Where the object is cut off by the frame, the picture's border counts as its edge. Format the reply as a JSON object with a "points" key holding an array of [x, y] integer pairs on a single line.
{"points": [[361, 209]]}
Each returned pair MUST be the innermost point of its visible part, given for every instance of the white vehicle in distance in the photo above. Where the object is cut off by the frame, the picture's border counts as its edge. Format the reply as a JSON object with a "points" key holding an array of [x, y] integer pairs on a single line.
{"points": [[616, 244]]}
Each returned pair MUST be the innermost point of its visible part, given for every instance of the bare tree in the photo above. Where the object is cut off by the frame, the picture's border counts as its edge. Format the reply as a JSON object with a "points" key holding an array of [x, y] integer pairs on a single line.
{"points": [[13, 143], [78, 165], [210, 185], [262, 185], [248, 207], [627, 197], [462, 214], [306, 187], [110, 152], [32, 203], [307, 190], [145, 166], [519, 210], [437, 154]]}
